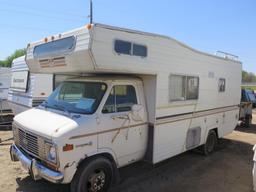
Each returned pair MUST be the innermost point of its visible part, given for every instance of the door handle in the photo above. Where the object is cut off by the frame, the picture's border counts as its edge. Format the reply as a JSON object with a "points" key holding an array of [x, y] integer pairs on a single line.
{"points": [[114, 117]]}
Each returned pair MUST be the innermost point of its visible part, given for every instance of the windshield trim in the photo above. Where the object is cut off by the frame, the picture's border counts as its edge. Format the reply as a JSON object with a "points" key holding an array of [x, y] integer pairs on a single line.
{"points": [[45, 105]]}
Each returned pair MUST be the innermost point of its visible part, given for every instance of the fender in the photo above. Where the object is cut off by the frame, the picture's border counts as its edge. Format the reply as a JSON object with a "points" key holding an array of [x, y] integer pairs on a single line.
{"points": [[105, 152]]}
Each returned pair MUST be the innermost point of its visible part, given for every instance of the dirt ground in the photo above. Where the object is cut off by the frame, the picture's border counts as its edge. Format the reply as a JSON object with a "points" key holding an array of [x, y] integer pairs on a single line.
{"points": [[228, 170]]}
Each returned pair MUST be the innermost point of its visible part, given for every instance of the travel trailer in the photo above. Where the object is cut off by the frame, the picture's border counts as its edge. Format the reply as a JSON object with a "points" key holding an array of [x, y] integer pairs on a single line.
{"points": [[5, 81], [27, 89], [136, 96]]}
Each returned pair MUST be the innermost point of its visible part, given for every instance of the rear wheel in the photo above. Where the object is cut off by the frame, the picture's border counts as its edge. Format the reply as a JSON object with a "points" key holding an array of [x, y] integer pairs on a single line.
{"points": [[94, 176], [211, 143]]}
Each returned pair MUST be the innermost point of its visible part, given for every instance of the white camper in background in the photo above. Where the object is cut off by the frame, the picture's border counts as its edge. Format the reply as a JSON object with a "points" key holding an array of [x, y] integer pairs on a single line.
{"points": [[5, 81], [146, 97], [27, 89]]}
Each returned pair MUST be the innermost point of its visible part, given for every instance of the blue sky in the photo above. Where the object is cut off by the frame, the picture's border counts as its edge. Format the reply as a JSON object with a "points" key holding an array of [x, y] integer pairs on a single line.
{"points": [[207, 25]]}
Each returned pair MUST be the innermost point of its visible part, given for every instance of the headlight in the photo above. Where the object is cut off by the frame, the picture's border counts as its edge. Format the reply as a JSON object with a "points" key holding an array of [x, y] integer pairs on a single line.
{"points": [[51, 153]]}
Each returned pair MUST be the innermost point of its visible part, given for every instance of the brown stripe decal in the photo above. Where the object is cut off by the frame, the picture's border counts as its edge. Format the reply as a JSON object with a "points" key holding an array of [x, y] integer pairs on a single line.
{"points": [[106, 131], [167, 119], [186, 116]]}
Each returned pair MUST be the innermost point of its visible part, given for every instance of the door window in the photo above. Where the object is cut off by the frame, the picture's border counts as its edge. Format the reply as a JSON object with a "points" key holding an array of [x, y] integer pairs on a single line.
{"points": [[120, 99]]}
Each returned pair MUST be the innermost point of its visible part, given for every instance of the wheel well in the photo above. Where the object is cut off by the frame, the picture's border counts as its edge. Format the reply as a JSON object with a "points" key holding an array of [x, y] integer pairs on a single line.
{"points": [[106, 156], [216, 131]]}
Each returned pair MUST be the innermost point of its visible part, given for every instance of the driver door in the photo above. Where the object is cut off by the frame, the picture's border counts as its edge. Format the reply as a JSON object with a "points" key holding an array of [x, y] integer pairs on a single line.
{"points": [[119, 132]]}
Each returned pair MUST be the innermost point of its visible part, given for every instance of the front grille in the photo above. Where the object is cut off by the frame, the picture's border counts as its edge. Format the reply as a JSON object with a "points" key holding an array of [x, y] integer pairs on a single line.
{"points": [[34, 145], [28, 142]]}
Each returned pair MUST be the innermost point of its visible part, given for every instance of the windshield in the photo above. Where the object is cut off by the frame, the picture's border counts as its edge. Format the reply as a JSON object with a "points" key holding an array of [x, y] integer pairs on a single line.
{"points": [[77, 97]]}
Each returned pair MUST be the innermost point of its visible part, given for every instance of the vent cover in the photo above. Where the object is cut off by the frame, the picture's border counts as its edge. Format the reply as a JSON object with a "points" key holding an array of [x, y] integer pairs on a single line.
{"points": [[55, 62]]}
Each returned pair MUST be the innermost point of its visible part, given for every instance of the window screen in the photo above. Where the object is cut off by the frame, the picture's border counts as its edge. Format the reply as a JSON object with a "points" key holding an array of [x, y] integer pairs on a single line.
{"points": [[222, 85], [57, 47], [177, 87], [123, 47], [121, 98], [183, 87], [192, 88]]}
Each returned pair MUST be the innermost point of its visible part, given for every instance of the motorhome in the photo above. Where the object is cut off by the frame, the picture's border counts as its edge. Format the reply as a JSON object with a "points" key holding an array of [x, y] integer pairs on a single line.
{"points": [[136, 96], [27, 89], [5, 81]]}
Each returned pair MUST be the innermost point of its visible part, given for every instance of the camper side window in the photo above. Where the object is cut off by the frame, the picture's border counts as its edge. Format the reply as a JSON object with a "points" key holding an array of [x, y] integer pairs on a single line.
{"points": [[139, 50], [123, 47], [192, 88], [222, 85], [183, 87], [121, 98], [132, 49]]}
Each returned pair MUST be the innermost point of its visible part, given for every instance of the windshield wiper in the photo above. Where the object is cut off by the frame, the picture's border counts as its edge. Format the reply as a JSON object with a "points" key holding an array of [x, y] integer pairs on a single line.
{"points": [[62, 108]]}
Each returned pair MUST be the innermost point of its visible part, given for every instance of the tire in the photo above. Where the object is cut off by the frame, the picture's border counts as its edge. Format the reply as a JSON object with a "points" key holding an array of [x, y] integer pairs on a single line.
{"points": [[93, 176], [248, 121], [210, 143]]}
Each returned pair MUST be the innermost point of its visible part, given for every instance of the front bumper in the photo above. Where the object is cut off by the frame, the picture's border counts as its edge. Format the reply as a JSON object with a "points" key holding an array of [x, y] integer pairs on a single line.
{"points": [[36, 170]]}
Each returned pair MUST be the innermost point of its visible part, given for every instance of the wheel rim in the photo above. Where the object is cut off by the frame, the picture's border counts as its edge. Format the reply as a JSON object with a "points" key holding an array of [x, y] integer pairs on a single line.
{"points": [[210, 143], [96, 181]]}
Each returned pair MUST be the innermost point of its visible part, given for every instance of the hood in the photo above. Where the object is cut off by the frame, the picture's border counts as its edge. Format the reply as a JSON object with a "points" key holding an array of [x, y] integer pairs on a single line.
{"points": [[41, 122]]}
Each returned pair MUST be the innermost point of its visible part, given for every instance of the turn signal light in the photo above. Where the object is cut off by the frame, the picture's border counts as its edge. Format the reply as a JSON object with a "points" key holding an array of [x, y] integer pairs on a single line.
{"points": [[89, 26], [68, 147]]}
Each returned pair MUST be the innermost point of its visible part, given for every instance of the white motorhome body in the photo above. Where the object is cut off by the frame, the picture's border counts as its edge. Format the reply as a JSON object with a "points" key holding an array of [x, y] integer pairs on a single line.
{"points": [[183, 96], [5, 81], [27, 89]]}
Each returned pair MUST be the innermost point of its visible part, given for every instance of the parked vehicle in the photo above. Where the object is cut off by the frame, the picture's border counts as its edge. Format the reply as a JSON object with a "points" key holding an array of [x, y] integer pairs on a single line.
{"points": [[27, 89], [136, 96], [246, 106], [250, 96], [5, 81]]}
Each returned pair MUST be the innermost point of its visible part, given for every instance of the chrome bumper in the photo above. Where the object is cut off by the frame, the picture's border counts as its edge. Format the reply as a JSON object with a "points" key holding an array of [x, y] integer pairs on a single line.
{"points": [[36, 170]]}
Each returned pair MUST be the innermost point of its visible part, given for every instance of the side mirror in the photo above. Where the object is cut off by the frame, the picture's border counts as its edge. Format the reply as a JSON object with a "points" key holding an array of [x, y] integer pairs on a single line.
{"points": [[138, 112]]}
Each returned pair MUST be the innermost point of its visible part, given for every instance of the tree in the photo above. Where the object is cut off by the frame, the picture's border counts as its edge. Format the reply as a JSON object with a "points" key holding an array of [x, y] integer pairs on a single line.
{"points": [[248, 77], [8, 61]]}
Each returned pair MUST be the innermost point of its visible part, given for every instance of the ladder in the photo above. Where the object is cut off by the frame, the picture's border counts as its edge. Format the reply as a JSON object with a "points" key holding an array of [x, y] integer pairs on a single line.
{"points": [[227, 55]]}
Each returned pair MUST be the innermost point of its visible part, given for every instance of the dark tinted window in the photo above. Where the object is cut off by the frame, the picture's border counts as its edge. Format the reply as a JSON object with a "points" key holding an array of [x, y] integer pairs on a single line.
{"points": [[139, 50], [128, 48], [222, 85], [57, 47], [123, 47], [121, 98]]}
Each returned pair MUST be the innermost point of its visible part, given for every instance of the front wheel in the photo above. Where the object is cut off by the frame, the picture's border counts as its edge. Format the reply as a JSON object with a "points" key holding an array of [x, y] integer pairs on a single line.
{"points": [[93, 176]]}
